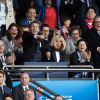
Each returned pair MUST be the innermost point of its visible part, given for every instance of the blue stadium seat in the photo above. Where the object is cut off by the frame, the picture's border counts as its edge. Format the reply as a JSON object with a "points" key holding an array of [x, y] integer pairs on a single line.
{"points": [[60, 74], [37, 74], [53, 64]]}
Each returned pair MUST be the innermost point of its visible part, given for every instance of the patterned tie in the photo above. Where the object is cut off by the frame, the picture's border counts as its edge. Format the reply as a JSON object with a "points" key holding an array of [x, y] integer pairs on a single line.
{"points": [[25, 88], [3, 62]]}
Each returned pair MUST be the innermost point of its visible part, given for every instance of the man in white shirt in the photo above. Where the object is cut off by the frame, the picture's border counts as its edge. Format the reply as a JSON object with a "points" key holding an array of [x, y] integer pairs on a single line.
{"points": [[93, 39], [18, 91]]}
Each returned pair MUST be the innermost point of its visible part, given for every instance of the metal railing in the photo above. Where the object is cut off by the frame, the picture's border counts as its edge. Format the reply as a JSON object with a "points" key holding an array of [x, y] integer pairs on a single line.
{"points": [[48, 68], [17, 69], [44, 89]]}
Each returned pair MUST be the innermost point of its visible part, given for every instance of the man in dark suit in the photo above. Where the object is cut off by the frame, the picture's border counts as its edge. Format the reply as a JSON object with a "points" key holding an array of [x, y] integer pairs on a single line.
{"points": [[5, 59], [3, 89], [93, 39], [18, 91]]}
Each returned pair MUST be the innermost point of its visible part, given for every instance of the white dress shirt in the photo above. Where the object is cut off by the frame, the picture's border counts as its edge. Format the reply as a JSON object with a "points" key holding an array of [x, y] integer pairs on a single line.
{"points": [[58, 56], [25, 87], [98, 32]]}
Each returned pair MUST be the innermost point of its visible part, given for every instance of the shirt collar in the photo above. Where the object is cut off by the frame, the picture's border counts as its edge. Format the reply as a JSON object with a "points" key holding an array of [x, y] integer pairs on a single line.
{"points": [[1, 54], [98, 32], [25, 87]]}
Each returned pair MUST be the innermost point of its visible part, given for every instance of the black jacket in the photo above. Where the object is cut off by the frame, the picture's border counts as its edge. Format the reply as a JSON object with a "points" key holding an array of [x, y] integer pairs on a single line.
{"points": [[18, 92]]}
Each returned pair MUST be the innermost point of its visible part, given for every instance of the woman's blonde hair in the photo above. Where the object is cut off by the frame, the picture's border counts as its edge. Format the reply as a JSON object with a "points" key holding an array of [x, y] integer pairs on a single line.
{"points": [[58, 37]]}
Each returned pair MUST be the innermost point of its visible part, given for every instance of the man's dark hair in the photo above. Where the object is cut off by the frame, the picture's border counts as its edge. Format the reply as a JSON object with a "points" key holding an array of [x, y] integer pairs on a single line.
{"points": [[30, 7], [44, 25], [7, 95], [90, 8]]}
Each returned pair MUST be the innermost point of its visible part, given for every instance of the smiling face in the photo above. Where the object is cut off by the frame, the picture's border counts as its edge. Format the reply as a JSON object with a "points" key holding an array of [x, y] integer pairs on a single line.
{"points": [[35, 27], [13, 31], [97, 23], [31, 14], [58, 44], [82, 46], [25, 79]]}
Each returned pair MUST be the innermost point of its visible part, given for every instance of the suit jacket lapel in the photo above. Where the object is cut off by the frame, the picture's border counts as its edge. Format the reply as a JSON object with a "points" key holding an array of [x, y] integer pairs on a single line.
{"points": [[21, 89], [96, 37], [54, 55]]}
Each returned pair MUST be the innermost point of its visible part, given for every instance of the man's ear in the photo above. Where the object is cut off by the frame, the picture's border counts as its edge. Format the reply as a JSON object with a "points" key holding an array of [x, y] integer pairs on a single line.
{"points": [[29, 79]]}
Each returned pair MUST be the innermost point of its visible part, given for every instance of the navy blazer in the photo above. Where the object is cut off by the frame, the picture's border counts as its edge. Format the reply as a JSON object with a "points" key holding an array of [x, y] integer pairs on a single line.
{"points": [[62, 55], [18, 92], [6, 91], [74, 60], [26, 21]]}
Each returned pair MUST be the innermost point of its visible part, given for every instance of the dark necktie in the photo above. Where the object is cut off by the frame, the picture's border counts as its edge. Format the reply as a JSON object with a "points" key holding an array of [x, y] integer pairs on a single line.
{"points": [[25, 88], [1, 90]]}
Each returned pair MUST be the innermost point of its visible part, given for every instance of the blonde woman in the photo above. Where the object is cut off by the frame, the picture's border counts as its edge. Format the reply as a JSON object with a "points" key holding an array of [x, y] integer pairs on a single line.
{"points": [[58, 46]]}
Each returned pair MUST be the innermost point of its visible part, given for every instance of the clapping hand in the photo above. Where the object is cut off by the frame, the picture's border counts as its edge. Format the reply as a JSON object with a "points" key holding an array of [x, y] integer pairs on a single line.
{"points": [[98, 49], [87, 55]]}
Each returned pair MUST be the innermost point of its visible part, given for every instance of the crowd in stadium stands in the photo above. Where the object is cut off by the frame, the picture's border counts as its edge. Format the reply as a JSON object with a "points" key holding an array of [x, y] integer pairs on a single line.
{"points": [[24, 91], [48, 31]]}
